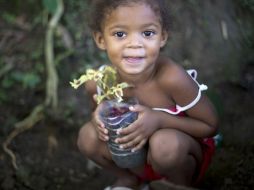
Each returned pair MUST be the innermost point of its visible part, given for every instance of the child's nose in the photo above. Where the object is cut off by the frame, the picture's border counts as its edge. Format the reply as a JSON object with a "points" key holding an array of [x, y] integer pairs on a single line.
{"points": [[135, 41]]}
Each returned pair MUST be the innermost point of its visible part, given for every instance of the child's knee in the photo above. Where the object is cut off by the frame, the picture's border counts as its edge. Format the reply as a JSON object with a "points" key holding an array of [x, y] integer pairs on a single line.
{"points": [[165, 150], [86, 141]]}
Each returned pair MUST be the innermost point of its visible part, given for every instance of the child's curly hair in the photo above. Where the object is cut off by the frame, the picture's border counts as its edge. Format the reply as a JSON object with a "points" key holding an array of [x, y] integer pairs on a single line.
{"points": [[100, 8]]}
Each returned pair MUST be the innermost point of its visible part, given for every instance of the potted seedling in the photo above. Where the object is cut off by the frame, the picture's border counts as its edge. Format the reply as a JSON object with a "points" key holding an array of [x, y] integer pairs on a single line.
{"points": [[115, 113]]}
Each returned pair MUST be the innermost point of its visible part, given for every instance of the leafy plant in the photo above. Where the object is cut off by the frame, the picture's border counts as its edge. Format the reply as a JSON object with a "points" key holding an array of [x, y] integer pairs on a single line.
{"points": [[28, 80], [106, 80]]}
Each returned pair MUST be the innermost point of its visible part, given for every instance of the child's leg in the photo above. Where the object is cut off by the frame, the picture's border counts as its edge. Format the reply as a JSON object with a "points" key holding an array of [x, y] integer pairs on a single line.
{"points": [[95, 149], [175, 155]]}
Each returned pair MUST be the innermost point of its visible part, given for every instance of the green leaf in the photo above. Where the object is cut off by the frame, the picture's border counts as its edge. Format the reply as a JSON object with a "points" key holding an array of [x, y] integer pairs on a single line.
{"points": [[8, 17], [50, 5], [30, 80], [109, 76]]}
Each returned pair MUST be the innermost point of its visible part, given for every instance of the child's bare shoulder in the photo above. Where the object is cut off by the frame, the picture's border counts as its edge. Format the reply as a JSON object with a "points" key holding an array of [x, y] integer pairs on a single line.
{"points": [[169, 72]]}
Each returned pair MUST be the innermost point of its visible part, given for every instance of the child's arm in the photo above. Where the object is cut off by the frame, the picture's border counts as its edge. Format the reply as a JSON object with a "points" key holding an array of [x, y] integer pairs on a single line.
{"points": [[201, 120]]}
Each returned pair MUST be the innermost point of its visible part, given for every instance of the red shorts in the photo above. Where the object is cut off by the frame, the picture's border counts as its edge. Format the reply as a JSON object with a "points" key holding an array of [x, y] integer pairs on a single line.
{"points": [[208, 149]]}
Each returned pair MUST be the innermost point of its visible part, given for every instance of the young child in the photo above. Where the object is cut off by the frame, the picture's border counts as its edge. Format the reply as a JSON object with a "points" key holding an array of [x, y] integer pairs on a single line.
{"points": [[175, 121]]}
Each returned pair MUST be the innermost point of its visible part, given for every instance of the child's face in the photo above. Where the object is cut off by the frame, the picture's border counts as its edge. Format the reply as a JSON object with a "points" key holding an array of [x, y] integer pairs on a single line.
{"points": [[132, 37]]}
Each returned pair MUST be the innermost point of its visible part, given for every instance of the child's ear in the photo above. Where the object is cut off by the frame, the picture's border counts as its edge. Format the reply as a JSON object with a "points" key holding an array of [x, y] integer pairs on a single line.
{"points": [[164, 38], [99, 40]]}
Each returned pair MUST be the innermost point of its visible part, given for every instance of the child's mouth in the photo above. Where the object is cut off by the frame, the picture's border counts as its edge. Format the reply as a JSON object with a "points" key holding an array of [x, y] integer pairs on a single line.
{"points": [[134, 59]]}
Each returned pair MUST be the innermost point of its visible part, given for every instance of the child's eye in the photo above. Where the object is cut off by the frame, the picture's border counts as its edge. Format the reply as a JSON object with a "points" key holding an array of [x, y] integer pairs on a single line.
{"points": [[148, 33], [120, 34]]}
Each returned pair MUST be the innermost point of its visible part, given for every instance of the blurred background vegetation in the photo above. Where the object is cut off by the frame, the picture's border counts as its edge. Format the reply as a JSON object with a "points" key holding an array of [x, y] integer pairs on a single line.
{"points": [[22, 62], [215, 37]]}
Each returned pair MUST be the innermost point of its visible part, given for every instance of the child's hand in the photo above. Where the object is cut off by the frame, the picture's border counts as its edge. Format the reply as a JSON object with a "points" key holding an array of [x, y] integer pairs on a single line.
{"points": [[99, 125], [136, 134]]}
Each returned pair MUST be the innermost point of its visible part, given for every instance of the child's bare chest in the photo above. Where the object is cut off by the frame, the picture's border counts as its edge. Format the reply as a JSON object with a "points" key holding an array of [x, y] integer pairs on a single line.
{"points": [[151, 95]]}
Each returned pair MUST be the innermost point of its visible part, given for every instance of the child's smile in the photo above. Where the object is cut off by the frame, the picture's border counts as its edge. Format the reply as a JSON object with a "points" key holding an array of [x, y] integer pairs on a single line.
{"points": [[134, 57], [133, 60]]}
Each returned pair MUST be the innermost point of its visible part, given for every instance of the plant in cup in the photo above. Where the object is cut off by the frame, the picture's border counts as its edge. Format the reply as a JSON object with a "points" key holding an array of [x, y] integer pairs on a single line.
{"points": [[114, 112], [106, 81]]}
